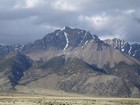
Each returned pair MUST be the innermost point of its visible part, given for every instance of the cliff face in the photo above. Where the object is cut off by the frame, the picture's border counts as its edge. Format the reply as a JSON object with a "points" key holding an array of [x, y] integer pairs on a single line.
{"points": [[132, 50]]}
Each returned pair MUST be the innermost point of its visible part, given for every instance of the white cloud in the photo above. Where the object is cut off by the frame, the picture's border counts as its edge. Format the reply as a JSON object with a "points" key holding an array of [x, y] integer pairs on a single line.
{"points": [[98, 21], [108, 25], [110, 18], [64, 5], [31, 3], [129, 12], [28, 4]]}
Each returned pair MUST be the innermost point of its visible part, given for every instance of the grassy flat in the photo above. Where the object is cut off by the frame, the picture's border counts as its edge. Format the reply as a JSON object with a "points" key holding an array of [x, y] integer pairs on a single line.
{"points": [[52, 100]]}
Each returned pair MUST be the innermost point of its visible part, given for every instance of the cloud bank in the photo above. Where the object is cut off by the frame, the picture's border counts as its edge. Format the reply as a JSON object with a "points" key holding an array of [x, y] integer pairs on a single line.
{"points": [[22, 21]]}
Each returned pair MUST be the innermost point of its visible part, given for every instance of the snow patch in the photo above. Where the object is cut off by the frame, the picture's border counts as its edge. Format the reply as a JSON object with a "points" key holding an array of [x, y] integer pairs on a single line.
{"points": [[57, 34], [63, 28], [82, 31], [16, 49], [67, 40], [91, 41], [83, 38], [22, 46], [93, 36], [75, 52], [86, 42], [78, 32], [134, 53], [129, 52], [122, 49]]}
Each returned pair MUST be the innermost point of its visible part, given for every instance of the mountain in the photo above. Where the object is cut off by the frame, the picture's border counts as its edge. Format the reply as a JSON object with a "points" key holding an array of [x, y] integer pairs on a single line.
{"points": [[129, 49], [75, 75], [12, 67], [5, 49], [71, 60], [76, 43], [63, 39], [57, 42]]}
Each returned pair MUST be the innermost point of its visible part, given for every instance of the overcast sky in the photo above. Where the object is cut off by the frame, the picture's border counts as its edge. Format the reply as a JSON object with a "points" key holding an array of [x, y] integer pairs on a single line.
{"points": [[22, 21]]}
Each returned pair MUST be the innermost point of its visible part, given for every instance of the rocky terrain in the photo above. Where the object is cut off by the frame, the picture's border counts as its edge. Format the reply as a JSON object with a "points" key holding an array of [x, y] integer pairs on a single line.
{"points": [[72, 60], [129, 49]]}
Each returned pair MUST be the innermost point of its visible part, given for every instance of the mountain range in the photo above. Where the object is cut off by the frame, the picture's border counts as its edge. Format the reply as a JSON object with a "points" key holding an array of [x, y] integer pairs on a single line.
{"points": [[72, 60]]}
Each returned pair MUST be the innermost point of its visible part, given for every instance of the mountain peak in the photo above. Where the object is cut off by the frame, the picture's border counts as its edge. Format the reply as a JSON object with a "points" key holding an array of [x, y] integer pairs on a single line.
{"points": [[65, 38], [116, 43], [122, 45], [65, 28]]}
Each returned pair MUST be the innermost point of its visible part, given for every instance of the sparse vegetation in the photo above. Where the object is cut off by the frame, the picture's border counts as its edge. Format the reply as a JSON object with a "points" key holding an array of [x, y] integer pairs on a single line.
{"points": [[67, 101]]}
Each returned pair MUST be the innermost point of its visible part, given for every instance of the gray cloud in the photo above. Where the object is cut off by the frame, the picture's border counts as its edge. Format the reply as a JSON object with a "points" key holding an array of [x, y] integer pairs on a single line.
{"points": [[26, 20]]}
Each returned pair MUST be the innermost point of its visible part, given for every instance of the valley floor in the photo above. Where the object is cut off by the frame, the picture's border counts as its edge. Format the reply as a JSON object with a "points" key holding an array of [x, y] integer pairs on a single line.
{"points": [[52, 100]]}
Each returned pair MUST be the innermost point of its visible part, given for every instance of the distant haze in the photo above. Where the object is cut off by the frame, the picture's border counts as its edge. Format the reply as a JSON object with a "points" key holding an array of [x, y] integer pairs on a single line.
{"points": [[23, 21]]}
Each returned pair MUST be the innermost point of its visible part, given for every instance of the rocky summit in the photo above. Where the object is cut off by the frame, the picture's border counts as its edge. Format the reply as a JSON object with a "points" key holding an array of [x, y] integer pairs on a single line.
{"points": [[72, 60], [129, 49]]}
